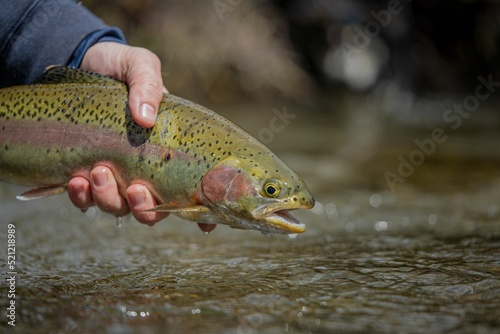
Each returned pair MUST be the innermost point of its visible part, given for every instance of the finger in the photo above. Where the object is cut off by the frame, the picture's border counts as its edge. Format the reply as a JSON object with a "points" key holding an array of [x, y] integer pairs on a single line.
{"points": [[143, 76], [139, 68], [105, 192], [139, 199], [79, 193]]}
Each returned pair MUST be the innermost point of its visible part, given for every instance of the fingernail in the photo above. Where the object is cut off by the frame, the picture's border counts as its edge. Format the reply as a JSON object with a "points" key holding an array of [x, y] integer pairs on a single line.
{"points": [[148, 112], [137, 198], [100, 178]]}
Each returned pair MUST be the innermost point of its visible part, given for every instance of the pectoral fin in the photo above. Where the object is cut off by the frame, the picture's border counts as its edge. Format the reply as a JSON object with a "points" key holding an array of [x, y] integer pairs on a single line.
{"points": [[176, 209], [37, 193], [197, 213]]}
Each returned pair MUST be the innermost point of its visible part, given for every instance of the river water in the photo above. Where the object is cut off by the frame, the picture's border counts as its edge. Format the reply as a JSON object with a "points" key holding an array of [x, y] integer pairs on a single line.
{"points": [[420, 256]]}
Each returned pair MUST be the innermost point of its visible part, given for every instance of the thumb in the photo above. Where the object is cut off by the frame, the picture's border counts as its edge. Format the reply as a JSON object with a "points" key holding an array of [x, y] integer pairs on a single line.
{"points": [[141, 70]]}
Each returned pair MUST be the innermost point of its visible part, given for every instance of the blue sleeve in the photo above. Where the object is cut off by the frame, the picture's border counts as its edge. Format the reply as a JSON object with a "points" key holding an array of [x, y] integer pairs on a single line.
{"points": [[102, 35], [35, 34]]}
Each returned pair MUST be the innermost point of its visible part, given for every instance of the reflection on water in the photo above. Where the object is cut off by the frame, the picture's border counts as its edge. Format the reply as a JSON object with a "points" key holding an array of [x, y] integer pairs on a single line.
{"points": [[424, 258]]}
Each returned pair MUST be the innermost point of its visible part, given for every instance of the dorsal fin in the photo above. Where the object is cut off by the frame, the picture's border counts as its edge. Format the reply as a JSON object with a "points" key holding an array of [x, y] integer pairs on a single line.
{"points": [[56, 74]]}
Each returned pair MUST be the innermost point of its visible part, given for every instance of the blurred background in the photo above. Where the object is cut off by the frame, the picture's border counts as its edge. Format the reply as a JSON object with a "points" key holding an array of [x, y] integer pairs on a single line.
{"points": [[364, 79], [389, 110], [401, 51]]}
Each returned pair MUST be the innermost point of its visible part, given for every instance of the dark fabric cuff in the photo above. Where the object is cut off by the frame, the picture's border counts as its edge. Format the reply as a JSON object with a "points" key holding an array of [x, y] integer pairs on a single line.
{"points": [[103, 35]]}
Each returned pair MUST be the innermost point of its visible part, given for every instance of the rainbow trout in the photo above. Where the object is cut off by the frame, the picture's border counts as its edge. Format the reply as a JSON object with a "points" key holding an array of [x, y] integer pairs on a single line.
{"points": [[197, 164]]}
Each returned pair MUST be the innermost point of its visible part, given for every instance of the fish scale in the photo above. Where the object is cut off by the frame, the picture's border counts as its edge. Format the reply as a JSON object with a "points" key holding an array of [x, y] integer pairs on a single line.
{"points": [[70, 121]]}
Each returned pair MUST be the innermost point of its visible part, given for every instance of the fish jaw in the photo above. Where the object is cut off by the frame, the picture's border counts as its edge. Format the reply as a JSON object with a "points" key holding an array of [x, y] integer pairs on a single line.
{"points": [[276, 218], [280, 222], [277, 222]]}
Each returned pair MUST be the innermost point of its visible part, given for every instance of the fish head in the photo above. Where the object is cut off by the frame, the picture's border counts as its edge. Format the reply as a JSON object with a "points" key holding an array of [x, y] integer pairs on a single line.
{"points": [[258, 194]]}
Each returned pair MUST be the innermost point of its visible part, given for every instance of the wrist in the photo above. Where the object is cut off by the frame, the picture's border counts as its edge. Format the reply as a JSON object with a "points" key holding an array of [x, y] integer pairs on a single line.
{"points": [[107, 34]]}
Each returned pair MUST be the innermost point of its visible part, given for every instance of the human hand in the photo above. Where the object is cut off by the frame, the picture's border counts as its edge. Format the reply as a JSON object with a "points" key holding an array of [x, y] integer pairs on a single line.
{"points": [[141, 70]]}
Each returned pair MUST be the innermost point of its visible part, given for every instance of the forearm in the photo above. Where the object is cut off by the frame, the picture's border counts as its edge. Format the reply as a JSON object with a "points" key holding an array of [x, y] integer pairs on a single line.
{"points": [[37, 33]]}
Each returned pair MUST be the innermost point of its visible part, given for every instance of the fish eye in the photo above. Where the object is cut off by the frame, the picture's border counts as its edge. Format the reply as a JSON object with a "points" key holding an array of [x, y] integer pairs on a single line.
{"points": [[272, 189]]}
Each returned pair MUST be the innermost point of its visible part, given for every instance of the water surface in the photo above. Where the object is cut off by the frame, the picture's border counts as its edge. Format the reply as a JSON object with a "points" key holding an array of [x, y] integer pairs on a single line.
{"points": [[421, 259]]}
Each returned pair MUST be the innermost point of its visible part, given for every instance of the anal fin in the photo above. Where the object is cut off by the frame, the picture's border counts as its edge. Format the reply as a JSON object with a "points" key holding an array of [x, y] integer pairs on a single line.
{"points": [[37, 193]]}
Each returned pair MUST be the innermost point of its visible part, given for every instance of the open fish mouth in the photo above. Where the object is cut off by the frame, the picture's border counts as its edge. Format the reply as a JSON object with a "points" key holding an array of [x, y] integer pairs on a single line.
{"points": [[268, 222], [275, 218], [281, 221], [284, 221]]}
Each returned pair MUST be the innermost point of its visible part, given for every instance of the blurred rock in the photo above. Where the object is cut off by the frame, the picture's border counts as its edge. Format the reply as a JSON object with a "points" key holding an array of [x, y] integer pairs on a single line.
{"points": [[222, 53], [417, 58]]}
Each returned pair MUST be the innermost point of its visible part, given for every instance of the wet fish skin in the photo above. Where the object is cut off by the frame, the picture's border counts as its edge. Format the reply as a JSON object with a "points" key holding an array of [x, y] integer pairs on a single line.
{"points": [[197, 164]]}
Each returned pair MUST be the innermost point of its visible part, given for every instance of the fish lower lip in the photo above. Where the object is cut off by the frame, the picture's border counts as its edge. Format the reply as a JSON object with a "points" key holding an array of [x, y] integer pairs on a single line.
{"points": [[285, 222]]}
